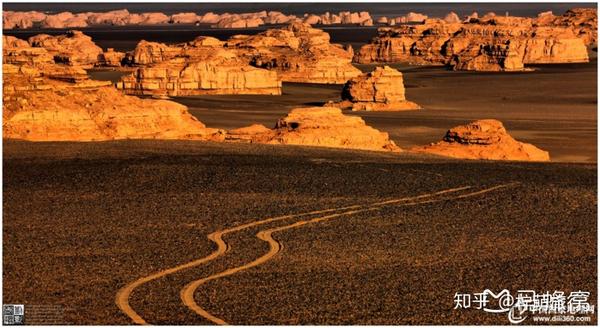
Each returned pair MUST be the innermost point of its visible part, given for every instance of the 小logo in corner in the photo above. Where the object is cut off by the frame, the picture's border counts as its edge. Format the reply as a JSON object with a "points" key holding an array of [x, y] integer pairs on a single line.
{"points": [[13, 314]]}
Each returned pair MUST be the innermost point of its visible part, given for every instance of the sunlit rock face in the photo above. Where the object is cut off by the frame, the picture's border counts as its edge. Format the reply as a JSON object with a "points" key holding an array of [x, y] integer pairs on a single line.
{"points": [[26, 20], [380, 90], [317, 126], [179, 77], [490, 43], [111, 58], [296, 53], [19, 52], [73, 48], [59, 103], [485, 140], [583, 21]]}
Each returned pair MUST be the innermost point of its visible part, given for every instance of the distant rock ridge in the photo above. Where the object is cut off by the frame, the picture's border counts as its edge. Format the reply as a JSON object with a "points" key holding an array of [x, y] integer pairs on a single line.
{"points": [[379, 90], [26, 20], [486, 140], [489, 43]]}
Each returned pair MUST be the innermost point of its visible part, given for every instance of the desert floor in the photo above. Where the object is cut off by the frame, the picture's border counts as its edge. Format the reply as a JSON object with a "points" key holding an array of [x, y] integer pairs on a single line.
{"points": [[82, 220]]}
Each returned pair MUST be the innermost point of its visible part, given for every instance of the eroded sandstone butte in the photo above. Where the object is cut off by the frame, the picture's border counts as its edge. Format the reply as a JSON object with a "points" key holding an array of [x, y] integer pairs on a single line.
{"points": [[297, 53], [490, 43], [317, 126], [379, 90], [73, 48], [485, 140], [218, 71], [61, 104]]}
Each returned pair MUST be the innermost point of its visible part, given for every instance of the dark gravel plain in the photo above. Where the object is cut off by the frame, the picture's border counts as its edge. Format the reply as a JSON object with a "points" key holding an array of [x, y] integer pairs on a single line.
{"points": [[81, 220]]}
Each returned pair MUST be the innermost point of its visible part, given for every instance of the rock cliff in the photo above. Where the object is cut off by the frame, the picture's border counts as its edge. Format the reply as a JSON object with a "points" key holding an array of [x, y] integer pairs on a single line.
{"points": [[380, 90], [181, 77], [484, 139]]}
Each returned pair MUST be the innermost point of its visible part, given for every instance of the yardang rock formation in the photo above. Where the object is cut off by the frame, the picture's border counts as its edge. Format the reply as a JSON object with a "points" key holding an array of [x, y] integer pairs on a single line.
{"points": [[317, 126], [484, 139], [380, 90], [490, 43], [38, 106]]}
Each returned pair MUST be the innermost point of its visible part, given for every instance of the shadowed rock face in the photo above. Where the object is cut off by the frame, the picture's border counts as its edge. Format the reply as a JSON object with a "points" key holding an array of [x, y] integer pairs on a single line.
{"points": [[379, 90], [317, 126], [491, 43], [297, 53], [61, 104], [483, 139]]}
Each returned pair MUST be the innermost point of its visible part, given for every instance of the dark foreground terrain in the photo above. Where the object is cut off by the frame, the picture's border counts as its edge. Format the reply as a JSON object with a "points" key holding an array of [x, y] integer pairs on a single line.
{"points": [[83, 220]]}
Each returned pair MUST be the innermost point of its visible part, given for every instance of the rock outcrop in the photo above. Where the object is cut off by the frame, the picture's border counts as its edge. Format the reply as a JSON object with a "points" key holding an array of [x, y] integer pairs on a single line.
{"points": [[111, 58], [218, 74], [379, 90], [19, 52], [297, 53], [490, 43], [583, 21], [73, 48], [484, 139], [26, 20], [44, 106], [317, 126]]}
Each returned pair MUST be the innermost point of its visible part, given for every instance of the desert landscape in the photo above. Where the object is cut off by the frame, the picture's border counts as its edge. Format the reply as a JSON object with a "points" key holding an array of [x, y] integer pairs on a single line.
{"points": [[292, 167]]}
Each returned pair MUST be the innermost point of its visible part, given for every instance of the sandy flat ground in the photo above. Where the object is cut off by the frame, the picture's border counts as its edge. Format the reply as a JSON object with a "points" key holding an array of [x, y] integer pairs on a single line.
{"points": [[83, 220]]}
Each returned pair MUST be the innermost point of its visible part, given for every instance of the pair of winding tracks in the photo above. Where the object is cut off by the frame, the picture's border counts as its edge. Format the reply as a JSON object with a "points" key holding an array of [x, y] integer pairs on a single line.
{"points": [[302, 219]]}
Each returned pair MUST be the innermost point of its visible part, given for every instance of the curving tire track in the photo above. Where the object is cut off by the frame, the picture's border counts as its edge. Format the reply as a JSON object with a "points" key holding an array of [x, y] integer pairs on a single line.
{"points": [[187, 293], [124, 294]]}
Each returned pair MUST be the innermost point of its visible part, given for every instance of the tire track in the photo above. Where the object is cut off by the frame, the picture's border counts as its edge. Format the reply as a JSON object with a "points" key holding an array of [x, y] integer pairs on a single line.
{"points": [[187, 293], [124, 294]]}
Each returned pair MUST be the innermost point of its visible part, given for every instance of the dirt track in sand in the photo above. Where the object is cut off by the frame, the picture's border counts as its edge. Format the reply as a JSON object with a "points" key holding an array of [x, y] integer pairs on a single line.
{"points": [[82, 221]]}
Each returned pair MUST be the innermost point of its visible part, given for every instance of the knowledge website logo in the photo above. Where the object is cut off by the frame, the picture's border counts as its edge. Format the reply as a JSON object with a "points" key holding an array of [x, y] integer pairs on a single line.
{"points": [[542, 307]]}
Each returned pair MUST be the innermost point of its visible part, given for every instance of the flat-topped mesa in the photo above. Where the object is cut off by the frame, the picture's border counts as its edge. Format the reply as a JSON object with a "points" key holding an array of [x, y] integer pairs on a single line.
{"points": [[73, 48], [37, 108], [490, 43], [380, 90], [486, 140], [320, 127], [217, 75], [298, 53]]}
